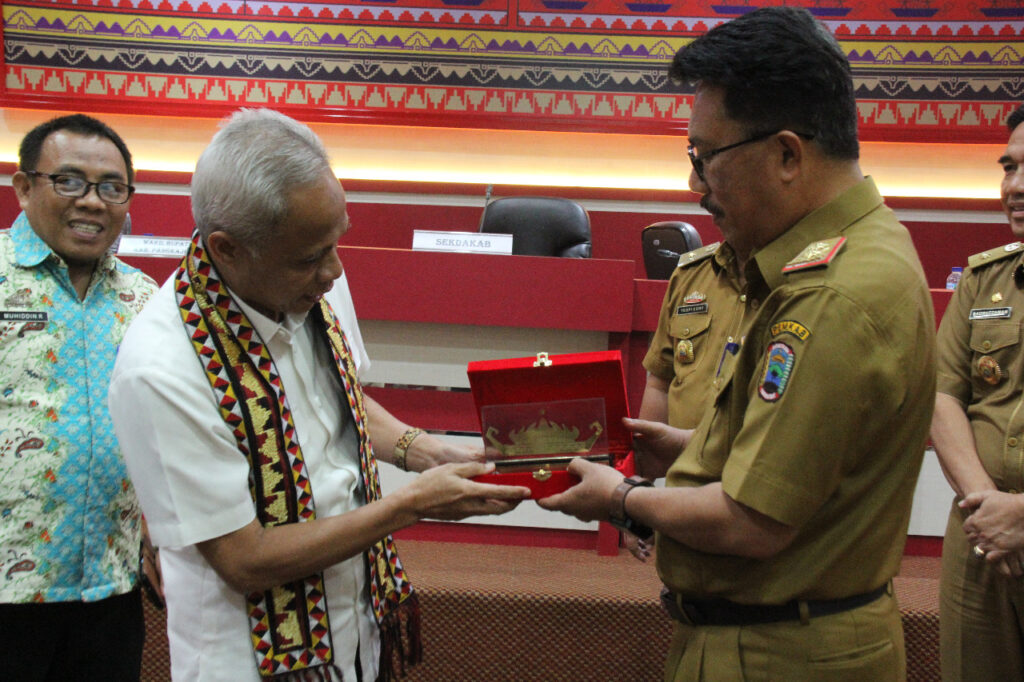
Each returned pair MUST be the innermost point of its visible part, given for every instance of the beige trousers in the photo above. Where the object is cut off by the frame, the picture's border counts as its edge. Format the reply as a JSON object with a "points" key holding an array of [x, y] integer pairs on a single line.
{"points": [[981, 614]]}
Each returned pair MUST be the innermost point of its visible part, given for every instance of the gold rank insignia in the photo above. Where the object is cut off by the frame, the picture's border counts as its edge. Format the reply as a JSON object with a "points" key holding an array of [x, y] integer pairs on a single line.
{"points": [[993, 255], [990, 370], [997, 297], [695, 297], [697, 255], [815, 254], [684, 352]]}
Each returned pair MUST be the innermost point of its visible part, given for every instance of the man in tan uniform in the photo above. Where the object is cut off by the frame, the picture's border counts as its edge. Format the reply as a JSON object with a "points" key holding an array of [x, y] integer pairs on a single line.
{"points": [[701, 312], [702, 307], [784, 519], [977, 432]]}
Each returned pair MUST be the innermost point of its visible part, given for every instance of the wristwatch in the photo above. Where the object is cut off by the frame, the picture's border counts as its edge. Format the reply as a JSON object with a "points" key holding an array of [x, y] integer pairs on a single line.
{"points": [[617, 515]]}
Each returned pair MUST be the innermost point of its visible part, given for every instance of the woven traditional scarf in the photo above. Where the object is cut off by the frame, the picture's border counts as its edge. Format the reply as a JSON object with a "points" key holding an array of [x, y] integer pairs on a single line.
{"points": [[291, 634]]}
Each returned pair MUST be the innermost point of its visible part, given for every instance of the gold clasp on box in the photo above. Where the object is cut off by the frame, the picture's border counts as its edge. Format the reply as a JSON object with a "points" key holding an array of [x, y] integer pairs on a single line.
{"points": [[542, 474], [542, 360]]}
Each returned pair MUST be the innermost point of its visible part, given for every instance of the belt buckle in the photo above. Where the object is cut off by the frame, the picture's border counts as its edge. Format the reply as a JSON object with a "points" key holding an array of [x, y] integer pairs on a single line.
{"points": [[675, 611], [691, 614]]}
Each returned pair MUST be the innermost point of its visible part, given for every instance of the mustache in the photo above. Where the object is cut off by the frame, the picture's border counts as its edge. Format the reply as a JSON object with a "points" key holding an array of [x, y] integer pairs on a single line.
{"points": [[705, 203]]}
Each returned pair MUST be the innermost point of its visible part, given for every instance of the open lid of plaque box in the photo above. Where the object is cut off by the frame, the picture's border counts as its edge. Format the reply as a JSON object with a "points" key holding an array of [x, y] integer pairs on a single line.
{"points": [[549, 408]]}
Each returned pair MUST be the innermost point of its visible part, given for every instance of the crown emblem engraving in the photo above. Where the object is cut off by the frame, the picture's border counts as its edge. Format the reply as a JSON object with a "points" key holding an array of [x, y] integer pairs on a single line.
{"points": [[543, 437]]}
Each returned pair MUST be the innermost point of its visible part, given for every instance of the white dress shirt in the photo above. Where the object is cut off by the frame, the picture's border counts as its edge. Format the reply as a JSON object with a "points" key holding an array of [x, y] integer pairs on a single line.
{"points": [[192, 481]]}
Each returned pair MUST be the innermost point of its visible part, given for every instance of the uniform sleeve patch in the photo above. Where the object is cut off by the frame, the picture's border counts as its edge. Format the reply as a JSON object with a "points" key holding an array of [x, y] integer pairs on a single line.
{"points": [[777, 367], [790, 327]]}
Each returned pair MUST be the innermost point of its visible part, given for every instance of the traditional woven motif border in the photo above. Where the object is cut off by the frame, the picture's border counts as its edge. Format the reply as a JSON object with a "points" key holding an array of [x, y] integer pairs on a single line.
{"points": [[923, 72]]}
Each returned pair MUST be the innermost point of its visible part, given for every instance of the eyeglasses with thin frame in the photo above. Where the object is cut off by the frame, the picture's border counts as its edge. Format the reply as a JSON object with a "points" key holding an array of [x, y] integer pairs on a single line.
{"points": [[74, 187], [698, 161]]}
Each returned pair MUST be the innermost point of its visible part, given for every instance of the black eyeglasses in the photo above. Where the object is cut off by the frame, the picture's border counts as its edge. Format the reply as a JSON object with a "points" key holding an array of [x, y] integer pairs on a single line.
{"points": [[74, 187], [698, 161]]}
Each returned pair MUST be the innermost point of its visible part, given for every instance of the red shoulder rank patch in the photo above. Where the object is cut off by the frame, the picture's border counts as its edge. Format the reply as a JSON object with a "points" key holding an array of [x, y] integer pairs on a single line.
{"points": [[815, 254]]}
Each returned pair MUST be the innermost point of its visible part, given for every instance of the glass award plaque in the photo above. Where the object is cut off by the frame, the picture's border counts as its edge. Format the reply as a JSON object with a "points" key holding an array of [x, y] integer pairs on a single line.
{"points": [[545, 435], [538, 413]]}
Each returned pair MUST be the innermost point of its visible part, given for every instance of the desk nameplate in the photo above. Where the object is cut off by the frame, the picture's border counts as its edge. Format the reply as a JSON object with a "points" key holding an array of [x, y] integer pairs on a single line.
{"points": [[461, 242]]}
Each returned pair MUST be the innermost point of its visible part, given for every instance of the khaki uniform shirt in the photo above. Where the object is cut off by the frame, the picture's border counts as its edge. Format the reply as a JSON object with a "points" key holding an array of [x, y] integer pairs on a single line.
{"points": [[980, 359], [702, 311], [821, 413]]}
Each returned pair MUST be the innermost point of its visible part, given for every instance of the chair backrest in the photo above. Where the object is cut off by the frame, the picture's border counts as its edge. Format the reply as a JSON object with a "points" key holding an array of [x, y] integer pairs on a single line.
{"points": [[540, 226], [663, 243]]}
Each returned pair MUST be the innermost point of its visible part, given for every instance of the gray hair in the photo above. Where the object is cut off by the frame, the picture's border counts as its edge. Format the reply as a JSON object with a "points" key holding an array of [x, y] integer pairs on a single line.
{"points": [[243, 178]]}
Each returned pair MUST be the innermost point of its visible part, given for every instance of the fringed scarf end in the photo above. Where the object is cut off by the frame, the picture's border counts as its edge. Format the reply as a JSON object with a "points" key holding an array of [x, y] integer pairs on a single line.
{"points": [[394, 649]]}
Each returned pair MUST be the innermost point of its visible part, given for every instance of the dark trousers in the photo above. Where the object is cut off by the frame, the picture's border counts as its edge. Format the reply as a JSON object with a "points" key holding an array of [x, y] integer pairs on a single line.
{"points": [[62, 641]]}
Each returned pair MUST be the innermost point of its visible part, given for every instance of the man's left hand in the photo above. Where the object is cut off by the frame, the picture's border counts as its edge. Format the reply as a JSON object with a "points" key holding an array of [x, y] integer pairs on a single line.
{"points": [[996, 523]]}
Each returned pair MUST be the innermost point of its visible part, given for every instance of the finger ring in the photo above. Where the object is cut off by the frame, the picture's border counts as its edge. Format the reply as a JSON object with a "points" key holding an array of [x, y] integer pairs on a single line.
{"points": [[979, 552]]}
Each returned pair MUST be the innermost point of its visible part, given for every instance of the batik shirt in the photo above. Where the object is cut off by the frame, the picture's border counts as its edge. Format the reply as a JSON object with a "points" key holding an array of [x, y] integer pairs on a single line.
{"points": [[69, 519]]}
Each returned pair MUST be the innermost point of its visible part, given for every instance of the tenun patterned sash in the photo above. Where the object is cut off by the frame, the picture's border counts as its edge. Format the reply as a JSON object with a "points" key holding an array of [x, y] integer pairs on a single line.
{"points": [[291, 634]]}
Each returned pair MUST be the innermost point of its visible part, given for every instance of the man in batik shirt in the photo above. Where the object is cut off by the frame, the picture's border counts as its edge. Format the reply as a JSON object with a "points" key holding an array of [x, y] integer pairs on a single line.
{"points": [[69, 519]]}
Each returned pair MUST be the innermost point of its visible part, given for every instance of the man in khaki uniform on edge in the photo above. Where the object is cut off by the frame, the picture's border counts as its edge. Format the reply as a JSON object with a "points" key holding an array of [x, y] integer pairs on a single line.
{"points": [[701, 312], [703, 307], [784, 519], [978, 432]]}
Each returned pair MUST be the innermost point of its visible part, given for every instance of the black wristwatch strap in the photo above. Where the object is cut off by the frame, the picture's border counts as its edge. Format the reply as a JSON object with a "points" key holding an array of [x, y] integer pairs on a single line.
{"points": [[617, 515]]}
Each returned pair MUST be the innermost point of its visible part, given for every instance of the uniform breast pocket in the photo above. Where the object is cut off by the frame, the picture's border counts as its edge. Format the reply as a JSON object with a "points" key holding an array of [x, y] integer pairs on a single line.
{"points": [[689, 333], [996, 350], [718, 438]]}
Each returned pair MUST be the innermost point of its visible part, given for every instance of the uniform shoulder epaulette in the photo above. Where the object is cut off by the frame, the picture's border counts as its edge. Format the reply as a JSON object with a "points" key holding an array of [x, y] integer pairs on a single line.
{"points": [[697, 255], [993, 255], [817, 254]]}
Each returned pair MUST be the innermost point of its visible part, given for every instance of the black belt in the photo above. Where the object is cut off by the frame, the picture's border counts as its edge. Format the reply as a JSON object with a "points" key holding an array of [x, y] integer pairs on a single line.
{"points": [[725, 612]]}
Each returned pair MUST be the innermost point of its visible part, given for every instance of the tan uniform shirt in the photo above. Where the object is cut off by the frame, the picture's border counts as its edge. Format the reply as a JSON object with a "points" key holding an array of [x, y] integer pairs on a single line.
{"points": [[980, 359], [703, 309], [820, 416]]}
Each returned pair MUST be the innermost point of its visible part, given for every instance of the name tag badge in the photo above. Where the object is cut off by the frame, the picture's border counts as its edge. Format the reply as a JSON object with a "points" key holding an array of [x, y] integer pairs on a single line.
{"points": [[990, 313], [692, 309], [22, 316]]}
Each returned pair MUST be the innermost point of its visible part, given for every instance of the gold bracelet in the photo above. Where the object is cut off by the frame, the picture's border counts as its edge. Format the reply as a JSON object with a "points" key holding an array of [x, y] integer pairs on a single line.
{"points": [[402, 447]]}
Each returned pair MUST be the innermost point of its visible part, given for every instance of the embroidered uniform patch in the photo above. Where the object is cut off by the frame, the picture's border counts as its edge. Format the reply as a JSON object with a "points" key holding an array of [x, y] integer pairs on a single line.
{"points": [[777, 367], [790, 327]]}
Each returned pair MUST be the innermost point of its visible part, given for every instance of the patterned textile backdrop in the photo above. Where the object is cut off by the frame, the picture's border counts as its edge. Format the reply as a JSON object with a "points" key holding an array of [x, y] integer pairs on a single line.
{"points": [[943, 70]]}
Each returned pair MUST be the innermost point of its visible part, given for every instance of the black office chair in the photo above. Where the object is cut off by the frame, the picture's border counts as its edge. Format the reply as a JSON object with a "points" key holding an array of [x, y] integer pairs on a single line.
{"points": [[540, 226], [663, 243]]}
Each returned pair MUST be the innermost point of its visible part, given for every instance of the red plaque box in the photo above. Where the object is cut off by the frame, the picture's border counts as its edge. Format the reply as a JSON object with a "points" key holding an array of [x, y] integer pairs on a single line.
{"points": [[537, 413]]}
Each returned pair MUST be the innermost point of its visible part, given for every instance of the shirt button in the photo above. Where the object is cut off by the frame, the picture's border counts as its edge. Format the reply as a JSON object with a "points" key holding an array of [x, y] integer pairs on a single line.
{"points": [[743, 298], [1012, 442], [686, 331], [986, 345]]}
